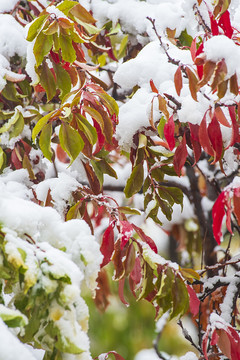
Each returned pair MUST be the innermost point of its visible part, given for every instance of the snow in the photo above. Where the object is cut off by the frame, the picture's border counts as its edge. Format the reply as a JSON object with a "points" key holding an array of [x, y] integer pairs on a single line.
{"points": [[189, 356], [221, 47], [7, 5], [10, 347], [11, 29]]}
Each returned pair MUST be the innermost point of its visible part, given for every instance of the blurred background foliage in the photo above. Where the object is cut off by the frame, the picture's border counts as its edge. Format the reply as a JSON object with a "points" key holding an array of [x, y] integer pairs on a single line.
{"points": [[128, 330]]}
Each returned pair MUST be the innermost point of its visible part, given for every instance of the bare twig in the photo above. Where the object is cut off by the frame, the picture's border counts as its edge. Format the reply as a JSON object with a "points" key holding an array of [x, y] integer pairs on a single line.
{"points": [[201, 21]]}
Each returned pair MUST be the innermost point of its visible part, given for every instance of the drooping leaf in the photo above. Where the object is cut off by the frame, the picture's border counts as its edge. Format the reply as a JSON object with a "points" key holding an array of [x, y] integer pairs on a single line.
{"points": [[193, 83], [204, 138], [234, 84], [42, 47], [162, 105], [63, 80], [47, 80], [40, 124], [169, 133], [218, 213], [194, 302], [135, 181], [221, 117], [67, 49], [70, 140], [215, 136], [178, 80], [180, 156], [107, 246], [35, 27], [45, 141]]}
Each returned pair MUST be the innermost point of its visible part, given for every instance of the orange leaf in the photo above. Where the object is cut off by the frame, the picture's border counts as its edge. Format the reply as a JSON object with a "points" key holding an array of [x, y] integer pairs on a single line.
{"points": [[219, 74], [193, 83], [208, 70], [153, 87], [178, 80], [162, 104]]}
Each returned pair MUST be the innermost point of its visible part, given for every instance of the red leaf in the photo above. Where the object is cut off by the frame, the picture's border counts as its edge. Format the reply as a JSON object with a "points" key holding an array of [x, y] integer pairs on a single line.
{"points": [[169, 128], [55, 57], [126, 230], [236, 205], [153, 87], [105, 356], [107, 246], [136, 273], [203, 137], [194, 302], [178, 80], [235, 128], [145, 238], [121, 291], [193, 49], [225, 24], [180, 156], [215, 136], [15, 159], [221, 117], [218, 213], [194, 129], [214, 25], [200, 67]]}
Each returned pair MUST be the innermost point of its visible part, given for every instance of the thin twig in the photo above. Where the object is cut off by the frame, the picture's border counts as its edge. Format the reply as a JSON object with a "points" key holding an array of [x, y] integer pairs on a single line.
{"points": [[201, 21]]}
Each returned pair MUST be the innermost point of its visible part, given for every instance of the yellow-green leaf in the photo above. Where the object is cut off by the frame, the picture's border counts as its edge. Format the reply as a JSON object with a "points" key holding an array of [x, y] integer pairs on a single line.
{"points": [[45, 141], [17, 128], [42, 47], [134, 183], [87, 128], [70, 140], [35, 27], [63, 80], [47, 80], [68, 52], [40, 124]]}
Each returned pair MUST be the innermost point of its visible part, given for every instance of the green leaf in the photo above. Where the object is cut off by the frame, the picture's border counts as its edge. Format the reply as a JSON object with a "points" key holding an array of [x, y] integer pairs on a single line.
{"points": [[42, 47], [10, 122], [87, 128], [35, 27], [70, 140], [63, 80], [17, 128], [180, 298], [147, 282], [128, 210], [95, 115], [123, 47], [134, 183], [185, 39], [2, 158], [68, 52], [10, 93], [45, 141], [12, 318], [160, 127], [40, 124], [47, 80], [66, 6], [91, 29]]}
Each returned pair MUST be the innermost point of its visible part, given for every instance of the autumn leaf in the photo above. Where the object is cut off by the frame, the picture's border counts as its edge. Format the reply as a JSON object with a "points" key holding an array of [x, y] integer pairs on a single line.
{"points": [[107, 246], [180, 156], [178, 80], [169, 133]]}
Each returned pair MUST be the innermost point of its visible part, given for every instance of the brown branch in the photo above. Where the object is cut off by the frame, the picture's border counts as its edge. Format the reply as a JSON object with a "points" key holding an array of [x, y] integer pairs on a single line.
{"points": [[201, 21], [170, 59]]}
